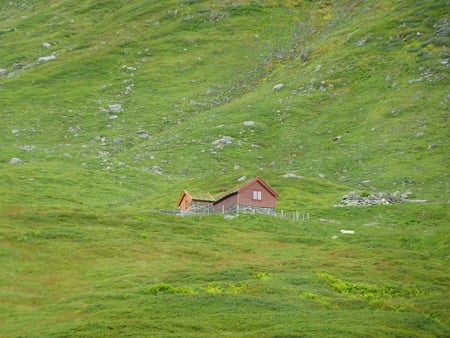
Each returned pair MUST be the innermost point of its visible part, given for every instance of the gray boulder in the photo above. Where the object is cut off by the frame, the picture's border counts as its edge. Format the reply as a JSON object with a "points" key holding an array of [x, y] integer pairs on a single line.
{"points": [[223, 141], [15, 160], [143, 134], [156, 170], [27, 147], [115, 108], [44, 59], [278, 86], [291, 175]]}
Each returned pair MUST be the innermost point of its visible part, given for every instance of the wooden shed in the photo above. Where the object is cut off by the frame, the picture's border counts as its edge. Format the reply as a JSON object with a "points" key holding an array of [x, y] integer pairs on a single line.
{"points": [[196, 203], [256, 196]]}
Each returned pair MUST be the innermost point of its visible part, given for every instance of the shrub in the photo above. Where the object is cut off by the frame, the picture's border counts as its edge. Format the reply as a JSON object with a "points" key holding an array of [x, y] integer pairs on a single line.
{"points": [[168, 289]]}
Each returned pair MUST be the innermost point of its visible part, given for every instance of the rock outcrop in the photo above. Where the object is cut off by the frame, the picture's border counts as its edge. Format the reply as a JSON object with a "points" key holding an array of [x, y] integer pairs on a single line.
{"points": [[354, 199]]}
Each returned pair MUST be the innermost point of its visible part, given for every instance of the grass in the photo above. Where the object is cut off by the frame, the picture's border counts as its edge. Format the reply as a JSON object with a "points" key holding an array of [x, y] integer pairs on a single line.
{"points": [[364, 108], [76, 273]]}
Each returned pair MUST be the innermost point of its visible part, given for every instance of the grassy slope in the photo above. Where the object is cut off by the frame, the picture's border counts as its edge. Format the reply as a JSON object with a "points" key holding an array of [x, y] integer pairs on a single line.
{"points": [[371, 72], [115, 275]]}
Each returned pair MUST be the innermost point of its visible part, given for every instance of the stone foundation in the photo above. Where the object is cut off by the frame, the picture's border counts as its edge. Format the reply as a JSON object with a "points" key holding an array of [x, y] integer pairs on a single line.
{"points": [[243, 209], [201, 208]]}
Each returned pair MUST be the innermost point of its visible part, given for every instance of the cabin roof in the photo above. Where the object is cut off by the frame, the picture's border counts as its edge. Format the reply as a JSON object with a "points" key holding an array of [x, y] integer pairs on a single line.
{"points": [[204, 197]]}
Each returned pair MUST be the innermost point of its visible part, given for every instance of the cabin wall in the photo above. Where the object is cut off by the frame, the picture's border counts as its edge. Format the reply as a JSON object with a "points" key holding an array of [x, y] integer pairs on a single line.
{"points": [[185, 203], [267, 199], [226, 204]]}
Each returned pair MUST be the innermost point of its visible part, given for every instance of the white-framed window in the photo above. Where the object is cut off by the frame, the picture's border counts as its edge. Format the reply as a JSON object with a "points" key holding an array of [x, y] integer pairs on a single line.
{"points": [[257, 195]]}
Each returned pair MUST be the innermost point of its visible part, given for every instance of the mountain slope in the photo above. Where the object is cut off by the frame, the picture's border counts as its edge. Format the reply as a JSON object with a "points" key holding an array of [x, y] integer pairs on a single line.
{"points": [[364, 102], [109, 109]]}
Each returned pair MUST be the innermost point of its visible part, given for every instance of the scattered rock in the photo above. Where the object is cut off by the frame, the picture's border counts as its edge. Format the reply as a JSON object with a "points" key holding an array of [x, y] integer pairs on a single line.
{"points": [[15, 160], [405, 195], [75, 129], [27, 148], [249, 123], [371, 224], [46, 45], [291, 175], [242, 178], [130, 68], [46, 58], [354, 199], [115, 108], [156, 170], [329, 220], [223, 141], [101, 139], [128, 90], [143, 134], [418, 201], [361, 42], [278, 86], [119, 140], [104, 154], [3, 72]]}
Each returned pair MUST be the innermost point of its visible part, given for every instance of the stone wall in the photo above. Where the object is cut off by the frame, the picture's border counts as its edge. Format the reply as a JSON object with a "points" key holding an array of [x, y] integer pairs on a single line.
{"points": [[242, 209], [204, 208], [201, 208]]}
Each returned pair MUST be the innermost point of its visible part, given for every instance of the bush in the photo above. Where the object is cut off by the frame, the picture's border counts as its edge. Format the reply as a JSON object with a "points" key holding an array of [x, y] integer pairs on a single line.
{"points": [[168, 289]]}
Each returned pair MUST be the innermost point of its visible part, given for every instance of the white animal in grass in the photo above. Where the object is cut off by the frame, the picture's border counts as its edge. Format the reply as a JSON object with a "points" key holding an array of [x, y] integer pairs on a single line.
{"points": [[347, 232]]}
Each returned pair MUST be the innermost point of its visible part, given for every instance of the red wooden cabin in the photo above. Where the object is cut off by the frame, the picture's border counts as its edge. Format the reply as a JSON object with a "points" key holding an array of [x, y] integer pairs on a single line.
{"points": [[255, 196]]}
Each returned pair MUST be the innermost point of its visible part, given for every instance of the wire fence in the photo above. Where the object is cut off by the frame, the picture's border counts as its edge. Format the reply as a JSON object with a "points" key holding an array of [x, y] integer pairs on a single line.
{"points": [[283, 214], [293, 215]]}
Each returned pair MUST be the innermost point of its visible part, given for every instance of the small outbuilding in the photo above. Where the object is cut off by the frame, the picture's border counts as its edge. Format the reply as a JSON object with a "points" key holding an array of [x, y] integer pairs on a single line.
{"points": [[196, 203]]}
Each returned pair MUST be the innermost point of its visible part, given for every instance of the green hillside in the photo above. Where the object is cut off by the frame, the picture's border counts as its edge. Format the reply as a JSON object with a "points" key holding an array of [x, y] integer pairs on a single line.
{"points": [[109, 109], [364, 96]]}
